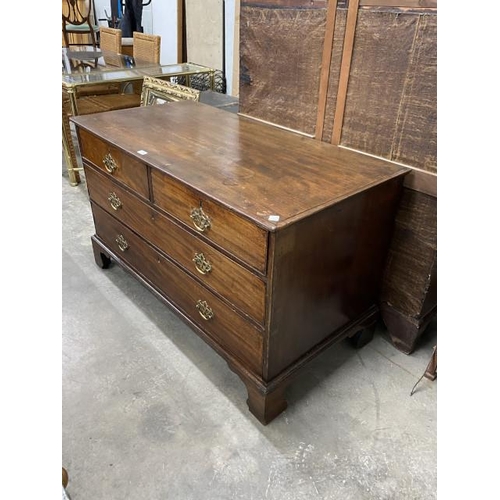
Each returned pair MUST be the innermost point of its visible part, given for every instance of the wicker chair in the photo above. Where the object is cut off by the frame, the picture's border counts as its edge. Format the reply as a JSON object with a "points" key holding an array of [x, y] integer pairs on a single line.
{"points": [[78, 19], [147, 47], [156, 91], [110, 39]]}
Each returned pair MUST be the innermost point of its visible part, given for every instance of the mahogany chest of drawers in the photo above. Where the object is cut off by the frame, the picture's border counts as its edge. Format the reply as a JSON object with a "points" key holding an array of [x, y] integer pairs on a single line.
{"points": [[269, 244]]}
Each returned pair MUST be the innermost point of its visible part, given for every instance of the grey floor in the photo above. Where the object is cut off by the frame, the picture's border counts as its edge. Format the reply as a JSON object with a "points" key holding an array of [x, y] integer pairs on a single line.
{"points": [[151, 412]]}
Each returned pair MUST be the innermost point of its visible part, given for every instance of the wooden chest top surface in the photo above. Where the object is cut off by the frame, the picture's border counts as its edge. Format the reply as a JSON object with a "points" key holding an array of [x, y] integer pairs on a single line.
{"points": [[255, 169]]}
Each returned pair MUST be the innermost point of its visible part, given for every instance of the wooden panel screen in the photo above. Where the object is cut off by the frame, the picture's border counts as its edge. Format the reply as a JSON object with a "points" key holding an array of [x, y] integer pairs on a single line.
{"points": [[378, 95], [280, 53]]}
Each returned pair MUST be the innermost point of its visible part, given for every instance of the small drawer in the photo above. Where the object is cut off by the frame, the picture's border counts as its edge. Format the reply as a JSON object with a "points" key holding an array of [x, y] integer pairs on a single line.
{"points": [[231, 232], [114, 162], [228, 278], [226, 327]]}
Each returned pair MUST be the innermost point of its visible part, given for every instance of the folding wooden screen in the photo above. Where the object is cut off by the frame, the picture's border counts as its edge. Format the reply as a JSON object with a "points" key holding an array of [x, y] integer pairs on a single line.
{"points": [[360, 74]]}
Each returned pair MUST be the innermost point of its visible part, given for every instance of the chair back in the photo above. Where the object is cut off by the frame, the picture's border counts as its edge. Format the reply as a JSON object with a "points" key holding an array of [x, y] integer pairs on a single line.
{"points": [[110, 39], [146, 47], [78, 17], [156, 91]]}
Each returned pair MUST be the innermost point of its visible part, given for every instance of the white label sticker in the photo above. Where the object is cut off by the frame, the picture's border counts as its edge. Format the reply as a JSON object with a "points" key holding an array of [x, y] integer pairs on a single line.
{"points": [[142, 152], [274, 218]]}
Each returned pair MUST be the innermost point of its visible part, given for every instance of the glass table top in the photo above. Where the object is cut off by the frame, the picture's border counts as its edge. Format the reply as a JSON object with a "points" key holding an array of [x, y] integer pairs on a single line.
{"points": [[85, 65]]}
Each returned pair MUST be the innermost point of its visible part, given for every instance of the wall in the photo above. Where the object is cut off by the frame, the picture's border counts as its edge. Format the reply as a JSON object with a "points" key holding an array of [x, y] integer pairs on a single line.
{"points": [[159, 18]]}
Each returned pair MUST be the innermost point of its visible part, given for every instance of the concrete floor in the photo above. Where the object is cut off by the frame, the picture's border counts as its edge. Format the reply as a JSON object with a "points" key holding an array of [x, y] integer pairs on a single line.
{"points": [[151, 412]]}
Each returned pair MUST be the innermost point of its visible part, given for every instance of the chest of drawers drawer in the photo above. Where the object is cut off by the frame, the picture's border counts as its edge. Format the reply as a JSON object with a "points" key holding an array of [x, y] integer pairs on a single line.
{"points": [[224, 325], [223, 227], [122, 167], [215, 270]]}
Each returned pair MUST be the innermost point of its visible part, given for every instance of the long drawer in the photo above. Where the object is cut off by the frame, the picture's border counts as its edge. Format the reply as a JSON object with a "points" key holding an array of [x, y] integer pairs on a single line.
{"points": [[233, 333], [226, 277], [225, 228], [122, 167]]}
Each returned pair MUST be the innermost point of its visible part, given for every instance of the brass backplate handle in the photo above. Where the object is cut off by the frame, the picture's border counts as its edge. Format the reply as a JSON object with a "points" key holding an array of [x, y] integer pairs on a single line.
{"points": [[202, 265], [122, 242], [115, 202], [205, 311], [109, 163], [200, 219]]}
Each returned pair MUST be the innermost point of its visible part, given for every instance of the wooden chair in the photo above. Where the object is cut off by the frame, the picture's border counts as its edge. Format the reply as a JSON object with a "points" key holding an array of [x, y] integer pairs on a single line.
{"points": [[78, 18], [156, 91]]}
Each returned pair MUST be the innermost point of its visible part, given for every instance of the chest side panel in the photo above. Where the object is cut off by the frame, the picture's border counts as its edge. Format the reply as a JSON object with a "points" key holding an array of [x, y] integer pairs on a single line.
{"points": [[327, 271]]}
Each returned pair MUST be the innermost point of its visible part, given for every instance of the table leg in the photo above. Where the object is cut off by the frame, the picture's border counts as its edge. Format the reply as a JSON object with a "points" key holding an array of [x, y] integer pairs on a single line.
{"points": [[67, 140], [212, 80]]}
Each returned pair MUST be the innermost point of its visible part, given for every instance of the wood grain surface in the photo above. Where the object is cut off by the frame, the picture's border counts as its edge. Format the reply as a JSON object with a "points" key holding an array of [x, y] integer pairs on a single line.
{"points": [[256, 170], [280, 57]]}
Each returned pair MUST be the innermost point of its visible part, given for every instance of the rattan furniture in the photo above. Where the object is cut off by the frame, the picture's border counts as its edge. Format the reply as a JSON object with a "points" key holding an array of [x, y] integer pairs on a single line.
{"points": [[84, 67], [146, 47], [110, 39]]}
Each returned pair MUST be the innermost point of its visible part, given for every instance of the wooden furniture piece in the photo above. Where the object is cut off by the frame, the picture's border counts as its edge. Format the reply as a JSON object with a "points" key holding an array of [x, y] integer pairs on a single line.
{"points": [[408, 297], [78, 18], [156, 91], [64, 477], [270, 245], [85, 68], [430, 371]]}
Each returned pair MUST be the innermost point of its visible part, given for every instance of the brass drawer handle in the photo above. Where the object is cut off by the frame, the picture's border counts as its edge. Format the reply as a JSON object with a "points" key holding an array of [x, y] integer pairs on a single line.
{"points": [[200, 219], [202, 265], [109, 163], [116, 203], [204, 310], [122, 243]]}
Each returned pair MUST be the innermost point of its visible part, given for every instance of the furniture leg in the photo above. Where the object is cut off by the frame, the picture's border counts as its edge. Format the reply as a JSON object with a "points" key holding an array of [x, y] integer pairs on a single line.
{"points": [[263, 402], [64, 477], [101, 259], [431, 370], [404, 331], [266, 406], [362, 337], [70, 157], [212, 80], [67, 140]]}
